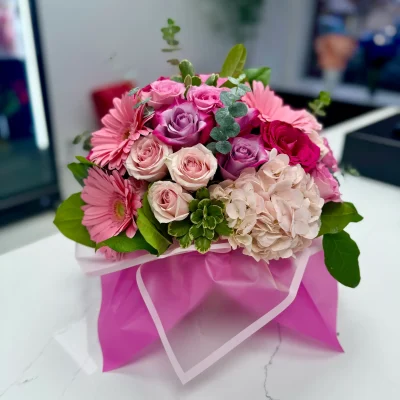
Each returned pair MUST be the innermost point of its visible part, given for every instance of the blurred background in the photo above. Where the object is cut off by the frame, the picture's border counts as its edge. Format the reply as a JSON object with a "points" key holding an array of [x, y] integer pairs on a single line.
{"points": [[61, 62]]}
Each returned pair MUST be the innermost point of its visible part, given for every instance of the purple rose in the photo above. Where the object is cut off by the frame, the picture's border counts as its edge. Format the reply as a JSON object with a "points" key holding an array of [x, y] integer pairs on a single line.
{"points": [[247, 151], [183, 125]]}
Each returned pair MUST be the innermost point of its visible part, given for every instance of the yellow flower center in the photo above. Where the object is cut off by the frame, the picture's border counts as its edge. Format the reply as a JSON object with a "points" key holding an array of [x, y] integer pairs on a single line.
{"points": [[119, 210]]}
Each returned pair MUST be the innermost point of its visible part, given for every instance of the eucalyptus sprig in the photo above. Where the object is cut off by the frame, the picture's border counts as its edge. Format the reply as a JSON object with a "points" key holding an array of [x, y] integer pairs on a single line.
{"points": [[169, 33], [85, 138], [318, 105]]}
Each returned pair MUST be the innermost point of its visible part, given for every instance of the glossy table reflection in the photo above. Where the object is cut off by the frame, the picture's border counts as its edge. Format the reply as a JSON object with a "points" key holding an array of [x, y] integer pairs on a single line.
{"points": [[47, 305]]}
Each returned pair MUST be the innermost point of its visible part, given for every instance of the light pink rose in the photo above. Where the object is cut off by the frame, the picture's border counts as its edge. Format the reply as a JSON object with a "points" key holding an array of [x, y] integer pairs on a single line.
{"points": [[163, 92], [146, 160], [192, 167], [329, 159], [327, 184], [169, 201], [205, 97]]}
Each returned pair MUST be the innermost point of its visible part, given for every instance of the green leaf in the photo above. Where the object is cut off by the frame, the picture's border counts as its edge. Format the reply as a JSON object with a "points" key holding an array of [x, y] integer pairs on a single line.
{"points": [[170, 21], [202, 193], [177, 79], [123, 244], [223, 229], [217, 203], [202, 244], [170, 50], [187, 81], [193, 205], [325, 98], [197, 216], [142, 102], [262, 74], [196, 81], [211, 146], [223, 147], [175, 29], [232, 130], [217, 133], [133, 91], [196, 231], [341, 258], [204, 203], [173, 61], [212, 80], [68, 220], [80, 171], [234, 62], [227, 98], [148, 212], [151, 233], [336, 216], [85, 161], [186, 68], [179, 228], [224, 118], [185, 241], [216, 212], [238, 110], [209, 234], [210, 223]]}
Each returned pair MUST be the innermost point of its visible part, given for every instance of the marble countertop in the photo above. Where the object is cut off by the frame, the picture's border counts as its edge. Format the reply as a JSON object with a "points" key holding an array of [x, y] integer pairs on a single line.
{"points": [[47, 309]]}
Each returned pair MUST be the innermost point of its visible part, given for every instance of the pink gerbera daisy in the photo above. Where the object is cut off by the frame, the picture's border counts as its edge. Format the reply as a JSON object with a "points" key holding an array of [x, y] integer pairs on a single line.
{"points": [[111, 204], [122, 126], [271, 108]]}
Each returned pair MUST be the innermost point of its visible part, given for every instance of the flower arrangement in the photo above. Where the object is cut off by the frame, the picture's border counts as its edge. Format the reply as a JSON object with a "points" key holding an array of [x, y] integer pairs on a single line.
{"points": [[197, 159], [210, 181]]}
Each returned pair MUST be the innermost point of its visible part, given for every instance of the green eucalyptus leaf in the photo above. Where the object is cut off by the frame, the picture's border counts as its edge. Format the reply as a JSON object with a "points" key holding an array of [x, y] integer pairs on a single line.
{"points": [[196, 81], [123, 244], [238, 110], [223, 147], [234, 62], [151, 234], [336, 216], [232, 130], [68, 220], [262, 74], [186, 68], [197, 216], [179, 228], [217, 133], [227, 98], [193, 205], [173, 61], [341, 258], [170, 50], [202, 193], [211, 146], [196, 231], [223, 229], [185, 241], [202, 244], [133, 91], [80, 171], [224, 118], [177, 78]]}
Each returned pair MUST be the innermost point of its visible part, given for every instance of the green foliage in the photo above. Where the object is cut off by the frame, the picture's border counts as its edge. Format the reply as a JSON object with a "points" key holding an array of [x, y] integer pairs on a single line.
{"points": [[262, 74], [205, 217], [336, 216], [341, 258], [188, 82], [68, 220], [84, 138], [177, 78], [234, 62], [133, 91], [169, 33], [196, 81], [223, 229], [186, 68], [223, 147], [318, 105], [80, 171], [238, 110], [123, 244], [212, 80], [173, 61], [142, 102]]}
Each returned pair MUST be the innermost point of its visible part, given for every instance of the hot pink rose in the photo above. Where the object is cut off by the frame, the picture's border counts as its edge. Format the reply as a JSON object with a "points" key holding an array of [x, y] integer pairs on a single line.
{"points": [[192, 167], [147, 159], [327, 184], [291, 141], [163, 92], [329, 160], [205, 97], [169, 202]]}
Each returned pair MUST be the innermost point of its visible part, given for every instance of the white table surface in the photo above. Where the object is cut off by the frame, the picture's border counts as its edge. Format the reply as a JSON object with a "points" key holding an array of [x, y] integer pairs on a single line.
{"points": [[46, 304]]}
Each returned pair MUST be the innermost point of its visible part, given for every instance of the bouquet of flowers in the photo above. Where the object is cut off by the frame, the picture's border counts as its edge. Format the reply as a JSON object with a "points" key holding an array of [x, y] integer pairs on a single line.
{"points": [[198, 185]]}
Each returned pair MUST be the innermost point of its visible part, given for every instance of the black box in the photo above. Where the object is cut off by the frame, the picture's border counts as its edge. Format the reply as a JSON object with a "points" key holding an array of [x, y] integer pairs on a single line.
{"points": [[374, 151]]}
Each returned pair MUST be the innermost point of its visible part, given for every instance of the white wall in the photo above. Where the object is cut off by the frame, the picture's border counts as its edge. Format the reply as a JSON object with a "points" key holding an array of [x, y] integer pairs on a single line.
{"points": [[79, 38]]}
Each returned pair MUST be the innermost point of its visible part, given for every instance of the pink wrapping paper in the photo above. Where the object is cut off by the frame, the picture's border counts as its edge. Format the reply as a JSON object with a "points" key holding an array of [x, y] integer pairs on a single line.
{"points": [[203, 306]]}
